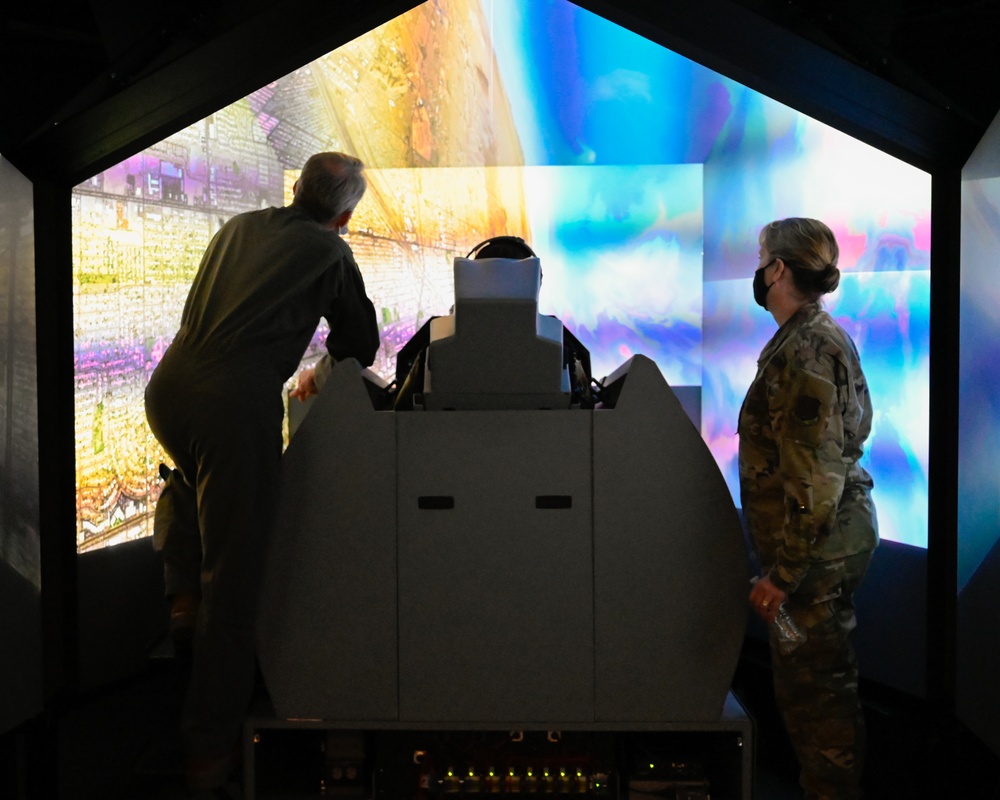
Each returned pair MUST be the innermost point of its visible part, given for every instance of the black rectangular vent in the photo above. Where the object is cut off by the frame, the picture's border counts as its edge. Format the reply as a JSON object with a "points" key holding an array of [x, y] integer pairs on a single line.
{"points": [[554, 501], [436, 502]]}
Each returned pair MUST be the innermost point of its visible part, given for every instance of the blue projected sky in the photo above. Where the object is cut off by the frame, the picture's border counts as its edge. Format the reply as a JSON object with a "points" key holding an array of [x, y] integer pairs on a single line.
{"points": [[595, 93]]}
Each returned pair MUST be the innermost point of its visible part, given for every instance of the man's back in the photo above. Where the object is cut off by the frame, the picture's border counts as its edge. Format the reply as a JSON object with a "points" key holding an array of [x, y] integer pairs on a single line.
{"points": [[264, 282]]}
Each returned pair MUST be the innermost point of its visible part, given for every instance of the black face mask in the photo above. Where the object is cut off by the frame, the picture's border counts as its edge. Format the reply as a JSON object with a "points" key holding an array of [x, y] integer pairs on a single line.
{"points": [[760, 286]]}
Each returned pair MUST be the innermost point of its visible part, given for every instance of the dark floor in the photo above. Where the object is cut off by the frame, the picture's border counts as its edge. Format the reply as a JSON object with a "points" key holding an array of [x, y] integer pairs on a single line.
{"points": [[910, 755], [120, 743]]}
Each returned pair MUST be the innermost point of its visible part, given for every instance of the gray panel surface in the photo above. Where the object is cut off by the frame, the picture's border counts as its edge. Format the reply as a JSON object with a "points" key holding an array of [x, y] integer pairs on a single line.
{"points": [[670, 564], [483, 567], [495, 594], [327, 629], [20, 520], [520, 360]]}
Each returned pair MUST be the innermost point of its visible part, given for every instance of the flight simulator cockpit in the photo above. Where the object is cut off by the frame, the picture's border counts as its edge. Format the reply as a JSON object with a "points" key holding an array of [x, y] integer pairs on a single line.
{"points": [[503, 555]]}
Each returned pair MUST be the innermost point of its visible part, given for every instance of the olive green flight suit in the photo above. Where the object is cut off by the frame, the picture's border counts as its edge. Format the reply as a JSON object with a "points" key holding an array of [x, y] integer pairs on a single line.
{"points": [[215, 404]]}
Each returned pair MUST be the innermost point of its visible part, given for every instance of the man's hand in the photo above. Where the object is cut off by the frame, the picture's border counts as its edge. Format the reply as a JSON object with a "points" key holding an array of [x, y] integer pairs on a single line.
{"points": [[766, 599], [305, 387]]}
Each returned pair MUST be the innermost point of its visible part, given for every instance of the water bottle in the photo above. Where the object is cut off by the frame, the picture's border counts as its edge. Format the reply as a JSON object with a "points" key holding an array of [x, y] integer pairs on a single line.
{"points": [[787, 633]]}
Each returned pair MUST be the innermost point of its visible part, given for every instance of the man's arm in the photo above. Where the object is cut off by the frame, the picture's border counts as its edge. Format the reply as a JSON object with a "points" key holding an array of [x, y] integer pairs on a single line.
{"points": [[353, 332], [353, 327]]}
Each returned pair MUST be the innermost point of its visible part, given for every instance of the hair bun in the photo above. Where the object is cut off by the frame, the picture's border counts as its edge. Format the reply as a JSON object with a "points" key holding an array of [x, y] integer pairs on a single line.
{"points": [[829, 279]]}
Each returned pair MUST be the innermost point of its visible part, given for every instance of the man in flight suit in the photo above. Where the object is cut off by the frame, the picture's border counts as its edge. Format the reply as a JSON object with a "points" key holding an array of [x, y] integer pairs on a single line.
{"points": [[215, 404]]}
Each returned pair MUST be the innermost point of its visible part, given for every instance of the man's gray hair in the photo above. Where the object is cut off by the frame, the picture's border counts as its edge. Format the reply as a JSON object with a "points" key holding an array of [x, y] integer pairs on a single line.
{"points": [[330, 184]]}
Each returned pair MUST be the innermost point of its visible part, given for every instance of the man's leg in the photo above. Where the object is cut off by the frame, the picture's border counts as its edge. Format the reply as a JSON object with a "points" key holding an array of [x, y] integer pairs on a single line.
{"points": [[237, 483], [175, 525], [177, 537]]}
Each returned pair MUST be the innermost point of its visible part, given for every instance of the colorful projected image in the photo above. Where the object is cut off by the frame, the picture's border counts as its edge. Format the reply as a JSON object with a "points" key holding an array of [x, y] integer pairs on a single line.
{"points": [[639, 178], [409, 228], [621, 250], [894, 357], [879, 210]]}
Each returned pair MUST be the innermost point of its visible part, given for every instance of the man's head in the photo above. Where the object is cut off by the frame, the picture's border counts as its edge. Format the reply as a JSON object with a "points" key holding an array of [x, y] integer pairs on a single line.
{"points": [[330, 187], [502, 247]]}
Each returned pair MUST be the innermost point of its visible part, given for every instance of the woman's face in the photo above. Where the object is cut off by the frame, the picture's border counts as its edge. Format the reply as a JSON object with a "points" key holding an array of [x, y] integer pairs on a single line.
{"points": [[761, 282]]}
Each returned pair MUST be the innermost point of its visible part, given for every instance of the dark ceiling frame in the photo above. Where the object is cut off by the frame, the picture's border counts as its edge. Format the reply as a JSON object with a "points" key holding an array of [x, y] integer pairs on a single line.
{"points": [[718, 34]]}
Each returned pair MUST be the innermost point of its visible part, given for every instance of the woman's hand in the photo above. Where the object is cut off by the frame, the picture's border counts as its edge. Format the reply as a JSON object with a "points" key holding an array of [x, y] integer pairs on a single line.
{"points": [[766, 599]]}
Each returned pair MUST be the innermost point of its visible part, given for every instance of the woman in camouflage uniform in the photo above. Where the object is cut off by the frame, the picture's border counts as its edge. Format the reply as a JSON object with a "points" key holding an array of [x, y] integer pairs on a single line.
{"points": [[807, 500]]}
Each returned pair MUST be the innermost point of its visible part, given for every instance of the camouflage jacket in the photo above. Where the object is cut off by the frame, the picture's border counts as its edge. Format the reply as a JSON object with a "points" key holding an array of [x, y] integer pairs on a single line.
{"points": [[802, 429]]}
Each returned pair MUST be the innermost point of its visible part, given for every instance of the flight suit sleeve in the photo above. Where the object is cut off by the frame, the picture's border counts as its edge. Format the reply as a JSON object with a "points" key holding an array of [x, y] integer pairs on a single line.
{"points": [[353, 325], [809, 434]]}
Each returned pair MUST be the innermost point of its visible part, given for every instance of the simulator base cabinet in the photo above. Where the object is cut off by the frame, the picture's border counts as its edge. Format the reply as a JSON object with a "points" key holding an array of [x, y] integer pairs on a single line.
{"points": [[503, 566]]}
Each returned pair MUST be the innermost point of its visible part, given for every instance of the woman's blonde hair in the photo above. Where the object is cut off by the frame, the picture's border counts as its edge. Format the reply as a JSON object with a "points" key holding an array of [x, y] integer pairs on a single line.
{"points": [[809, 248]]}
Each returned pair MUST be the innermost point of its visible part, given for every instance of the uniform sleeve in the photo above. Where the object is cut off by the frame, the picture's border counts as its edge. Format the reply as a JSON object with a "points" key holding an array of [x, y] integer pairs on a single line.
{"points": [[808, 429], [351, 317]]}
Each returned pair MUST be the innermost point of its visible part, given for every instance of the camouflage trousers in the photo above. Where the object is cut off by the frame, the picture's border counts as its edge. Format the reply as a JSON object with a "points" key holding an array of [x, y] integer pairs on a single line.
{"points": [[816, 685]]}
